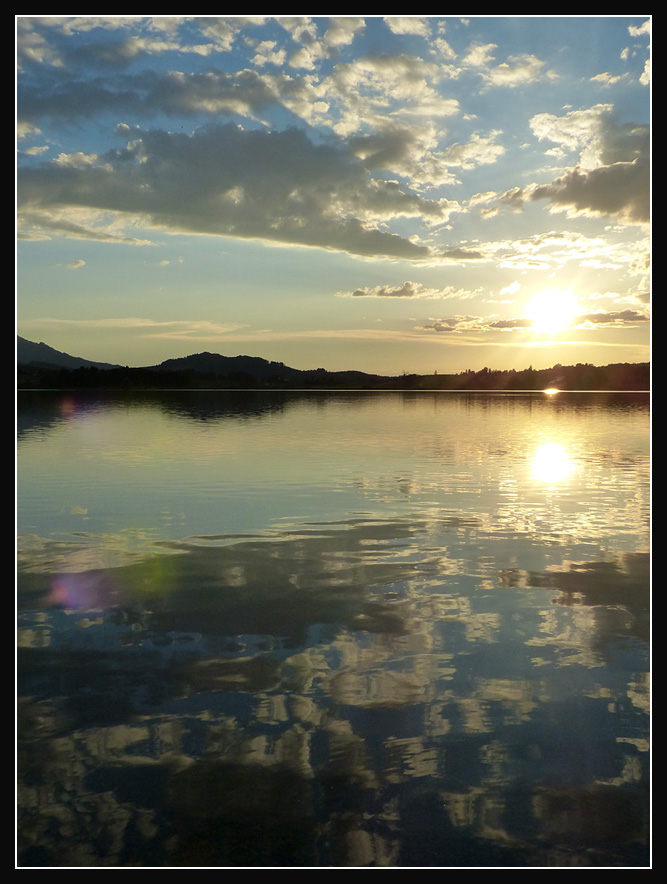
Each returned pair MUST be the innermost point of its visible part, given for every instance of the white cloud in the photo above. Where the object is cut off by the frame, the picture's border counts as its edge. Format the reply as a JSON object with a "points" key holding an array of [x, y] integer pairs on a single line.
{"points": [[480, 54], [267, 53], [373, 87], [342, 30], [595, 134], [607, 79], [412, 25], [223, 31], [480, 150], [641, 30], [36, 150], [516, 71]]}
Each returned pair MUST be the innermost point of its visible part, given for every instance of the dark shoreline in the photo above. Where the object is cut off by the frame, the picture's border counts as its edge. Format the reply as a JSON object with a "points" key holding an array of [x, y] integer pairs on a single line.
{"points": [[619, 377]]}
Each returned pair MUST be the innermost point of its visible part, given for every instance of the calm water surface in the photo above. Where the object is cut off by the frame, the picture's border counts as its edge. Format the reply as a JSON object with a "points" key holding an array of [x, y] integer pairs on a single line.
{"points": [[293, 629]]}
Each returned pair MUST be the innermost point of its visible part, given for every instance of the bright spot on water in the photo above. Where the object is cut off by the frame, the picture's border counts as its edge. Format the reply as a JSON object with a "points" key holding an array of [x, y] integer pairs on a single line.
{"points": [[551, 463]]}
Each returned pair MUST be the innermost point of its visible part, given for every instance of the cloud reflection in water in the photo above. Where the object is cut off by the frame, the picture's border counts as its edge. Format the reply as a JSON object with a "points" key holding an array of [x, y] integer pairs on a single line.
{"points": [[448, 668]]}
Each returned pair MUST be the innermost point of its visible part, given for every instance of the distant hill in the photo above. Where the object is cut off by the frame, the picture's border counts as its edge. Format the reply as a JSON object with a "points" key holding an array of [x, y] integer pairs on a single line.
{"points": [[40, 366], [215, 364], [257, 369], [36, 361], [30, 353]]}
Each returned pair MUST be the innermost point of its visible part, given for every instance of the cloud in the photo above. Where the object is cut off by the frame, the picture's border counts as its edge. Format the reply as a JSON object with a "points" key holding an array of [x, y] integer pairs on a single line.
{"points": [[641, 30], [607, 79], [73, 223], [174, 93], [227, 181], [314, 49], [368, 91], [645, 78], [620, 190], [595, 134], [612, 175], [461, 254], [467, 323], [510, 324], [39, 41], [411, 25], [516, 71], [222, 31], [153, 328], [408, 290], [617, 318], [115, 41], [479, 151], [266, 52], [342, 30], [415, 153], [480, 54], [34, 151]]}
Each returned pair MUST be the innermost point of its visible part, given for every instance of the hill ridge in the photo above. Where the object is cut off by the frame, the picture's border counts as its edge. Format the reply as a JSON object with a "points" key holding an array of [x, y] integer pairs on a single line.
{"points": [[40, 366]]}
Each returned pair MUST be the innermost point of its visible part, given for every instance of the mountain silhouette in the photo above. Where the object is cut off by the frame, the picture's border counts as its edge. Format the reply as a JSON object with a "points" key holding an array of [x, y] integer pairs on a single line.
{"points": [[41, 366], [31, 353], [249, 368], [214, 363]]}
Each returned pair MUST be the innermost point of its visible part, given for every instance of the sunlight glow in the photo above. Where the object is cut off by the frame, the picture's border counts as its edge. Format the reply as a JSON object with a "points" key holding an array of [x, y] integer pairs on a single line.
{"points": [[551, 463], [552, 311]]}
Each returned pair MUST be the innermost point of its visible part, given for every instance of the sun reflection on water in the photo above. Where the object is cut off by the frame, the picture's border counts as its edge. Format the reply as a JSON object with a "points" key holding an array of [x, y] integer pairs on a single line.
{"points": [[551, 463]]}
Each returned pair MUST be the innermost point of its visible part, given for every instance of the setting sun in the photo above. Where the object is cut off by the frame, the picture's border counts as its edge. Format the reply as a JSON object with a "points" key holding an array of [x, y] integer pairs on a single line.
{"points": [[552, 311]]}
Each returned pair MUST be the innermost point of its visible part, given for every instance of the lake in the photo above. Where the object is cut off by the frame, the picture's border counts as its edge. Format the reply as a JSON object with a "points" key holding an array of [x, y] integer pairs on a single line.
{"points": [[342, 629]]}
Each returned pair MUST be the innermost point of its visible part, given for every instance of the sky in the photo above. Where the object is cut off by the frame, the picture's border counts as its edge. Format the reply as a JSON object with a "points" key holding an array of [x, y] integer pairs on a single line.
{"points": [[403, 194]]}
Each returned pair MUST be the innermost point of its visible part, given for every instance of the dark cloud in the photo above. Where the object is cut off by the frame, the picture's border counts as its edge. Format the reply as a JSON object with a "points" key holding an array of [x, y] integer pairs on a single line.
{"points": [[612, 177], [621, 190], [510, 324], [68, 98], [227, 181], [408, 290], [620, 317]]}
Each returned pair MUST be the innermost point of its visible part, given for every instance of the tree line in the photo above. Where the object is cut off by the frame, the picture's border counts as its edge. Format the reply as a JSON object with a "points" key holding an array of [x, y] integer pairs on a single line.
{"points": [[582, 376]]}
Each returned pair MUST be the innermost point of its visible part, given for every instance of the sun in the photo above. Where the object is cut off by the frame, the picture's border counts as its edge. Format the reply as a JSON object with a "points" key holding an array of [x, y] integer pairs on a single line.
{"points": [[552, 311]]}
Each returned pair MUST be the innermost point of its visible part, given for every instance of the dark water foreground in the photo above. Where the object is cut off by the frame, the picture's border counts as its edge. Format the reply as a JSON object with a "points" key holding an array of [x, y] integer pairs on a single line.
{"points": [[333, 631]]}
